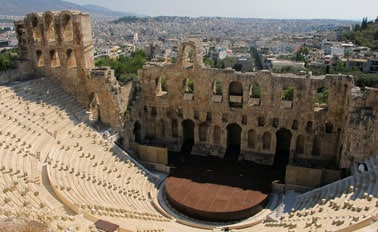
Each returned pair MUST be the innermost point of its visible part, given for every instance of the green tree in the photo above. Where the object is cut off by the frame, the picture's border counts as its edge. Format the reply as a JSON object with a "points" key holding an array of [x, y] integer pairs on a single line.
{"points": [[288, 93]]}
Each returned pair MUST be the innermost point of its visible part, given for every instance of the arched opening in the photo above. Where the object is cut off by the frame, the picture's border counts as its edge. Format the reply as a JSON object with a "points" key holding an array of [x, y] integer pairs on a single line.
{"points": [[161, 128], [137, 132], [254, 94], [281, 159], [321, 97], [217, 91], [174, 128], [233, 141], [71, 59], [251, 138], [37, 35], [266, 141], [287, 96], [67, 27], [328, 128], [54, 59], [202, 133], [217, 134], [299, 145], [188, 85], [188, 56], [294, 125], [235, 92], [316, 146], [50, 27], [309, 126], [160, 86], [188, 135], [40, 59]]}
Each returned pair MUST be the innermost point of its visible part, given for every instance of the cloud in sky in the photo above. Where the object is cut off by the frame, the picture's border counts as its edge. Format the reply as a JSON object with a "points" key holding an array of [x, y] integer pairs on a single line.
{"points": [[335, 9]]}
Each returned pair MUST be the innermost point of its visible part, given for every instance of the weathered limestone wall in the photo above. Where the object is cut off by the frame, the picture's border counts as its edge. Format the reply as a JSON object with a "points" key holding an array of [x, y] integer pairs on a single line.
{"points": [[260, 119], [59, 45], [23, 72], [361, 134]]}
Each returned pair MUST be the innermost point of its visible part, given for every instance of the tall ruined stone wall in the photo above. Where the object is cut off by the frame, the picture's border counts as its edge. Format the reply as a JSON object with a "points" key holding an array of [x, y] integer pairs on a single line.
{"points": [[59, 45], [361, 134], [314, 130]]}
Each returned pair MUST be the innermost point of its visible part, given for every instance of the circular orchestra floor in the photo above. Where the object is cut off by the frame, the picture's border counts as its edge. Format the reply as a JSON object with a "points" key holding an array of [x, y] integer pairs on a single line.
{"points": [[215, 189]]}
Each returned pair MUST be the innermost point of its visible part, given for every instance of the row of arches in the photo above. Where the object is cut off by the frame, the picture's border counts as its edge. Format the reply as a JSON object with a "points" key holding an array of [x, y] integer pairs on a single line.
{"points": [[235, 92], [234, 138], [44, 28], [55, 59]]}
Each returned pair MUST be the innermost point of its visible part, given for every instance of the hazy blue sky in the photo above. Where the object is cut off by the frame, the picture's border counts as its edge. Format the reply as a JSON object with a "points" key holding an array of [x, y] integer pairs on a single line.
{"points": [[335, 9]]}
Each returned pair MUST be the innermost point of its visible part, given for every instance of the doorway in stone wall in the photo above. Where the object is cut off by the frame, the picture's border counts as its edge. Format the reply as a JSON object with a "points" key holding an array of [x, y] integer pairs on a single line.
{"points": [[233, 141], [187, 136], [281, 158], [137, 132]]}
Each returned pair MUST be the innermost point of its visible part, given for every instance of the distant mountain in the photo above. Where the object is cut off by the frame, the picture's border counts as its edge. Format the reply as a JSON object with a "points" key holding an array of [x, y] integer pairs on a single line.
{"points": [[23, 7]]}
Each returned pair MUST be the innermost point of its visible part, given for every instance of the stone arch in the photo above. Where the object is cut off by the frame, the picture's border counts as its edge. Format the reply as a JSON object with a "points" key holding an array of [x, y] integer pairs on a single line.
{"points": [[309, 126], [190, 53], [202, 132], [137, 132], [295, 124], [266, 140], [188, 130], [217, 88], [40, 58], [299, 145], [54, 59], [316, 149], [282, 156], [235, 92], [94, 107], [49, 26], [233, 140], [254, 90], [161, 128], [174, 125], [67, 27], [328, 128], [251, 138], [287, 97], [188, 86], [217, 134], [71, 58], [321, 97], [35, 23], [160, 86]]}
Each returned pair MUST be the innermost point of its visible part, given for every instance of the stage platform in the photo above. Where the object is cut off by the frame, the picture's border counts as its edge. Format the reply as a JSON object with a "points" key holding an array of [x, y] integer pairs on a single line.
{"points": [[215, 189]]}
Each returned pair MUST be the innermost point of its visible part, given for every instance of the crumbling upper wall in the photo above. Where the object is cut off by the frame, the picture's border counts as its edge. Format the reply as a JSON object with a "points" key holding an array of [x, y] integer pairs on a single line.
{"points": [[60, 45], [361, 131]]}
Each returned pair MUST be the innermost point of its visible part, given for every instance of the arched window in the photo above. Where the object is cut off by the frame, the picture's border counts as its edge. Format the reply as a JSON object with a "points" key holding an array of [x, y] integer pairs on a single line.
{"points": [[321, 98], [251, 138], [37, 35], [266, 141], [202, 132], [160, 86], [174, 128], [217, 133], [217, 88], [50, 27], [299, 147], [40, 58], [162, 127], [254, 91], [294, 126], [287, 97], [328, 128], [188, 86], [235, 92], [309, 126], [67, 27], [188, 56], [71, 59], [54, 59]]}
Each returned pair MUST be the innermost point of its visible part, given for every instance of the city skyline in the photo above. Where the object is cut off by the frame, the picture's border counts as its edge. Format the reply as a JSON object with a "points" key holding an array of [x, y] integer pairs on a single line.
{"points": [[290, 9]]}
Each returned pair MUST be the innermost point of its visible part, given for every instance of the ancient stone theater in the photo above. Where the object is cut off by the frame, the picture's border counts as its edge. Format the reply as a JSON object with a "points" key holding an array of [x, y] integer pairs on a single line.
{"points": [[184, 147]]}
